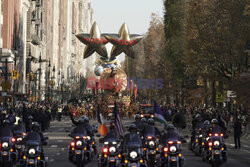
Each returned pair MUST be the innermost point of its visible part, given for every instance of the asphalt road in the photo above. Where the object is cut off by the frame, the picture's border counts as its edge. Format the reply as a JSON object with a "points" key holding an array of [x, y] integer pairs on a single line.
{"points": [[57, 149]]}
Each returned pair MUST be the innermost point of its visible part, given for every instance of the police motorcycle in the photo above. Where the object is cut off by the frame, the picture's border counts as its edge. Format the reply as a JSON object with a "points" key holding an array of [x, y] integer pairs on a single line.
{"points": [[80, 149], [33, 155], [171, 152], [132, 151], [110, 155], [216, 153], [151, 146], [19, 134], [7, 149], [197, 143]]}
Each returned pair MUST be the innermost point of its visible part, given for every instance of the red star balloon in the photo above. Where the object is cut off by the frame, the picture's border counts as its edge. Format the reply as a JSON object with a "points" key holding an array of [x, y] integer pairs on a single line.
{"points": [[94, 42], [123, 42]]}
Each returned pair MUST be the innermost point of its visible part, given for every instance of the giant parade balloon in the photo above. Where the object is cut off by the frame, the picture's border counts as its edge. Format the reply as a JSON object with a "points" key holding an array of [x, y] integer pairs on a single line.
{"points": [[112, 78]]}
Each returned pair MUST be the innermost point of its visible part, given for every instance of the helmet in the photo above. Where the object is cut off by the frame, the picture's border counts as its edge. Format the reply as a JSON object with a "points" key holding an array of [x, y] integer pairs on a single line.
{"points": [[6, 122], [144, 120], [20, 121], [198, 116], [137, 117], [170, 126], [214, 121], [35, 126], [81, 120], [86, 119], [132, 127], [207, 122], [151, 121], [30, 117]]}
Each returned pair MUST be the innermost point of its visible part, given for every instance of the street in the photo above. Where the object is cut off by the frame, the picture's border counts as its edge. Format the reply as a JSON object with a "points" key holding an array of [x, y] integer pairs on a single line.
{"points": [[57, 149]]}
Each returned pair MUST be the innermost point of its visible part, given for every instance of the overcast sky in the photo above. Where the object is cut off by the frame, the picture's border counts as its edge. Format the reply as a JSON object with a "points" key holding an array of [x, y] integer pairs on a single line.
{"points": [[111, 14]]}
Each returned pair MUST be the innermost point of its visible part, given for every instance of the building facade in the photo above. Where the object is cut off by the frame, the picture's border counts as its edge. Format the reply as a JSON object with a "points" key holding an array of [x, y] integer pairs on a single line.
{"points": [[37, 32]]}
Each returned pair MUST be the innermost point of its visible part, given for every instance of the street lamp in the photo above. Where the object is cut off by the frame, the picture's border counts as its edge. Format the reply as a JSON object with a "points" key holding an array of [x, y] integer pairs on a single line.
{"points": [[48, 82], [53, 81], [247, 50], [62, 85], [40, 73], [29, 70], [15, 68]]}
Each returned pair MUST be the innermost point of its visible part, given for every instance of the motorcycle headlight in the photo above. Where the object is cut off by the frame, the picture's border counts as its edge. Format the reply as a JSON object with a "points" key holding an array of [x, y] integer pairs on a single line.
{"points": [[5, 144], [114, 142], [112, 149], [172, 149], [19, 139], [79, 143], [200, 136], [133, 154], [32, 151], [216, 143], [151, 143], [207, 138], [106, 143], [88, 137]]}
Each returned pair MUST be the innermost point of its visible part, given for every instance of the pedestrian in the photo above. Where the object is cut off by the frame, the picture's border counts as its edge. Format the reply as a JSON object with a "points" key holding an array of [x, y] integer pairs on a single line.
{"points": [[237, 132]]}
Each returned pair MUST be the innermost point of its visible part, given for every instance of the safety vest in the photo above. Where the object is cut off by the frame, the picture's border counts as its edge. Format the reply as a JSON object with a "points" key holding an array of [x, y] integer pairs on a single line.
{"points": [[17, 118]]}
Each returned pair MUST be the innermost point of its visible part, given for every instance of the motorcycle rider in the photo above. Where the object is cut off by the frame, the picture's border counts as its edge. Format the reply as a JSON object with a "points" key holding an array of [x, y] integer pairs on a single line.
{"points": [[20, 126], [215, 127], [36, 135], [171, 134], [83, 123], [11, 117], [151, 127], [138, 122], [196, 124], [132, 136], [112, 134], [29, 123]]}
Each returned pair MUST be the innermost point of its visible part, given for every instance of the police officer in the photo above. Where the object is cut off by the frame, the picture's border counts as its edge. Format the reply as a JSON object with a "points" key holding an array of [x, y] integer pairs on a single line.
{"points": [[138, 122], [237, 132], [171, 134]]}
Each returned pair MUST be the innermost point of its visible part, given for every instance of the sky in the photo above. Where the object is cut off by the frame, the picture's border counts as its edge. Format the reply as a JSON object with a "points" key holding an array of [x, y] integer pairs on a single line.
{"points": [[111, 14]]}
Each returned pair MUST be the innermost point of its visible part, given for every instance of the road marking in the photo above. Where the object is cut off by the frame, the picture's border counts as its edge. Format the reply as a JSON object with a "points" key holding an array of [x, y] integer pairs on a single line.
{"points": [[63, 149], [58, 154], [54, 146], [52, 160], [59, 138]]}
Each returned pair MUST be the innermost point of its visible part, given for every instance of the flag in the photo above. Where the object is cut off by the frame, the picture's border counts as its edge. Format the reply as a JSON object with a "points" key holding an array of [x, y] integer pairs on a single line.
{"points": [[117, 121], [158, 114], [131, 87], [102, 129], [135, 91]]}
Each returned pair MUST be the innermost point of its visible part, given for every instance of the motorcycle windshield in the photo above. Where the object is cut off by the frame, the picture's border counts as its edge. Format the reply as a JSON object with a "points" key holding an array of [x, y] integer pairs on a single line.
{"points": [[110, 140], [149, 131], [79, 131], [33, 137], [19, 129], [5, 132]]}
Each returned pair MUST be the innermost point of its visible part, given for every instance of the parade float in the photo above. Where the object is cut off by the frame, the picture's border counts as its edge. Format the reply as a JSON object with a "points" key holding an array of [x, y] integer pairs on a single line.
{"points": [[110, 84]]}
